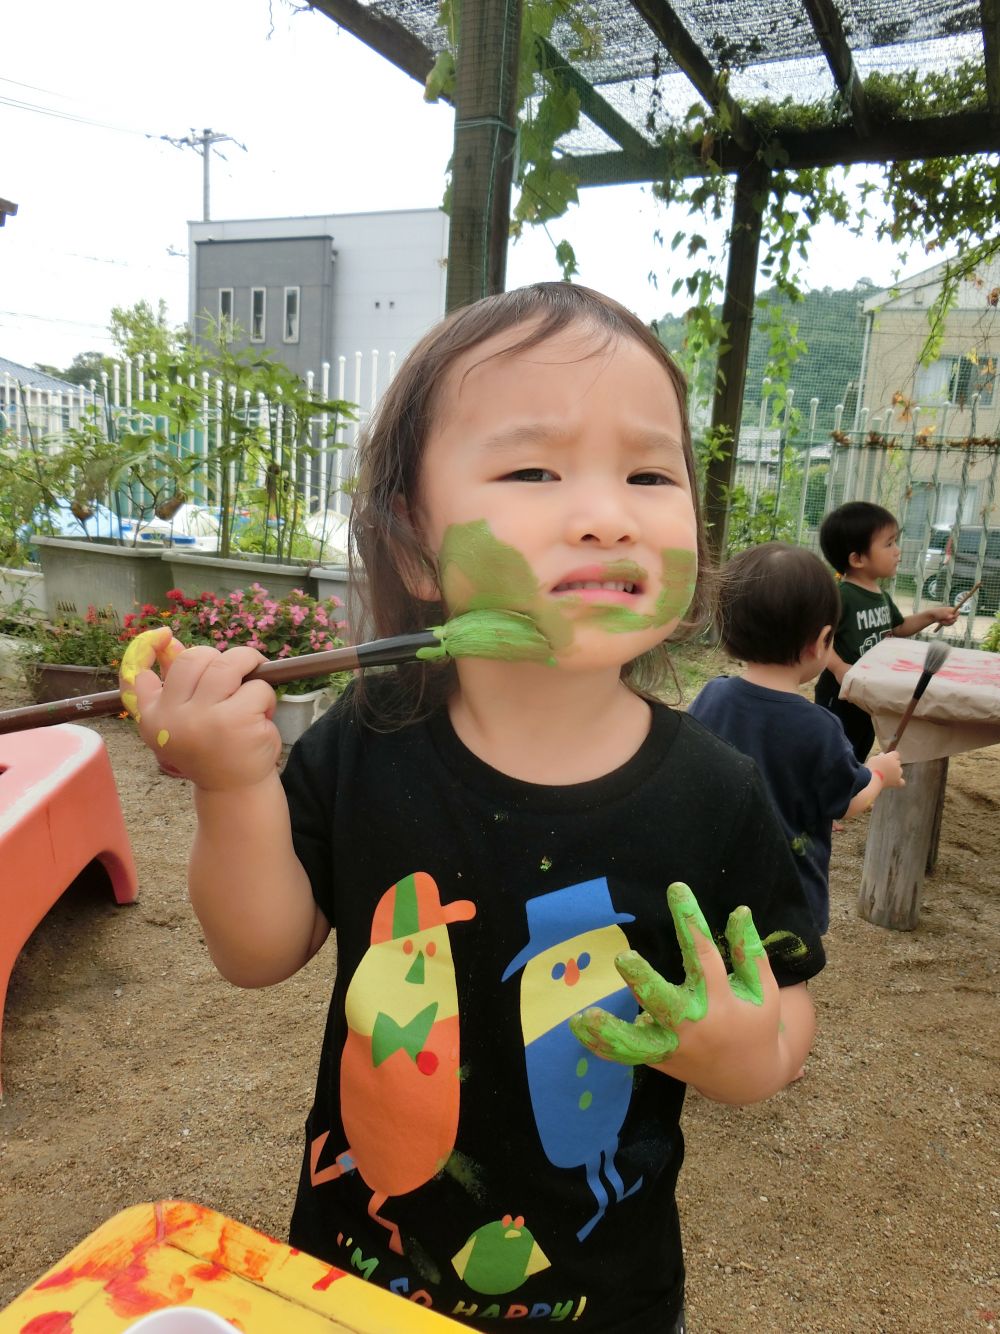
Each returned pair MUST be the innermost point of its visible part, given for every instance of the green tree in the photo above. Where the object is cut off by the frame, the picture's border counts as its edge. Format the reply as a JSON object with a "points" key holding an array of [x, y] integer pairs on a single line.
{"points": [[140, 331], [84, 367]]}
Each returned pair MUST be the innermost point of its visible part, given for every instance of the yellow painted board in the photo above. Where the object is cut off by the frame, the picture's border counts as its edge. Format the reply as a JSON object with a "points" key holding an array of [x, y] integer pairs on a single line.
{"points": [[174, 1253]]}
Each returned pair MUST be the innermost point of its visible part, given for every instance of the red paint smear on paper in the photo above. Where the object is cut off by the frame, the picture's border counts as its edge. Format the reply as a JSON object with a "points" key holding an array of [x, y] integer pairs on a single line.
{"points": [[984, 674], [329, 1278], [52, 1322]]}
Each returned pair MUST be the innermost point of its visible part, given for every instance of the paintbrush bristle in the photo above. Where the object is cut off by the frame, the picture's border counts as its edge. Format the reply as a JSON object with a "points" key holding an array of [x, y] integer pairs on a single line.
{"points": [[507, 636], [936, 654]]}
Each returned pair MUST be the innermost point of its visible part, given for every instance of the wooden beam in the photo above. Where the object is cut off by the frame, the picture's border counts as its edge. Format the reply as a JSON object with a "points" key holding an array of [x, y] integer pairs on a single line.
{"points": [[662, 20], [962, 134], [831, 36], [482, 165], [990, 13], [592, 104], [383, 34], [752, 185]]}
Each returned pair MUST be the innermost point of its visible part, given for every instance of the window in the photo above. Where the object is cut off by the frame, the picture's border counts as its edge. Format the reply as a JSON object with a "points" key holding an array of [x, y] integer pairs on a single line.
{"points": [[957, 379], [226, 304], [257, 310], [291, 334], [969, 376]]}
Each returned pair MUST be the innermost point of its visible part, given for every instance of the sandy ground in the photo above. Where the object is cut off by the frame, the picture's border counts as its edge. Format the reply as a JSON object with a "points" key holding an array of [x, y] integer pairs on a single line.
{"points": [[864, 1198]]}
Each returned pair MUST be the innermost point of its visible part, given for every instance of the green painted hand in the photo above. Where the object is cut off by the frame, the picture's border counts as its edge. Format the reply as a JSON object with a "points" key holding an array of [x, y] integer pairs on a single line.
{"points": [[653, 1036]]}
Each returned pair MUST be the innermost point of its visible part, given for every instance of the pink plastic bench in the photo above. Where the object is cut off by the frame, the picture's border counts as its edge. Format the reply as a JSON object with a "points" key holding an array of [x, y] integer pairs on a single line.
{"points": [[59, 811]]}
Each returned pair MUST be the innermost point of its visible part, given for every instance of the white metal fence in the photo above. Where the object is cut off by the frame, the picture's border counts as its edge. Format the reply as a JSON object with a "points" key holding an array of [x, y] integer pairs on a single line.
{"points": [[44, 416]]}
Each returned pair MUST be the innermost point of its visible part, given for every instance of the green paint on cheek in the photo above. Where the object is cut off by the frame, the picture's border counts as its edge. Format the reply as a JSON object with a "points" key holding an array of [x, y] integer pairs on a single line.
{"points": [[162, 737], [479, 572]]}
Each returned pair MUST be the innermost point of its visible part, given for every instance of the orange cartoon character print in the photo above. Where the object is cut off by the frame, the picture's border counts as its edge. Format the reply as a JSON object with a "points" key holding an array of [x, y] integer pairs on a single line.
{"points": [[399, 1085]]}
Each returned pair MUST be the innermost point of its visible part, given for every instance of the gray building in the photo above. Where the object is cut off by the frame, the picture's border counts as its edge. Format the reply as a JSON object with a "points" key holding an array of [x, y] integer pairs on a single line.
{"points": [[316, 289]]}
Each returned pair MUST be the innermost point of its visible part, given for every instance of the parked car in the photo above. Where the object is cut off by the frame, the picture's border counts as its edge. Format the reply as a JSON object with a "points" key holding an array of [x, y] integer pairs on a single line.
{"points": [[961, 558], [936, 544]]}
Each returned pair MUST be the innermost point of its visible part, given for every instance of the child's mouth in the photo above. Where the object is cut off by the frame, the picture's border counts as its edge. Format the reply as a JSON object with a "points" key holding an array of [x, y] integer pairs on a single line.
{"points": [[597, 585]]}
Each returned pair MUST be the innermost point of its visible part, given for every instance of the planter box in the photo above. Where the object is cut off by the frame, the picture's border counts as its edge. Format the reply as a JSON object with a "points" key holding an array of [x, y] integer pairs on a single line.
{"points": [[335, 581], [23, 588], [297, 712], [14, 654], [79, 573], [55, 680], [195, 572]]}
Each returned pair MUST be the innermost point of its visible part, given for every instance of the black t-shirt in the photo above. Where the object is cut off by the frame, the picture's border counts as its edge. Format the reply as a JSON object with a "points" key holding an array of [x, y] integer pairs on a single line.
{"points": [[464, 1150], [806, 761]]}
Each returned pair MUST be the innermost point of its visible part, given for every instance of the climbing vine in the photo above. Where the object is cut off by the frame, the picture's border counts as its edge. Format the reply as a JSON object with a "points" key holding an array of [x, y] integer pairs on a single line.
{"points": [[938, 203], [547, 188]]}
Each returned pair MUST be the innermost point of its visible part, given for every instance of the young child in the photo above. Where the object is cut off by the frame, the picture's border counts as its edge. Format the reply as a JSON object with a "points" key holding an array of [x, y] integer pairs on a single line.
{"points": [[777, 608], [861, 542], [493, 842]]}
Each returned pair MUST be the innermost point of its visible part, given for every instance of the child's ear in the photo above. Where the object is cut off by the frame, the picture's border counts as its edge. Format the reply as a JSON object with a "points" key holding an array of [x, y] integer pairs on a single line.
{"points": [[822, 642], [856, 559]]}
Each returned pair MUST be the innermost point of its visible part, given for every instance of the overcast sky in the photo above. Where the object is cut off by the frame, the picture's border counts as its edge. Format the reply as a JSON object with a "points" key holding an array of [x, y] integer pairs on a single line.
{"points": [[86, 92]]}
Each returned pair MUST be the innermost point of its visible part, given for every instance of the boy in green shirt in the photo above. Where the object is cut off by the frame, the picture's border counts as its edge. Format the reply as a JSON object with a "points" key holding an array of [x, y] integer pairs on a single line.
{"points": [[861, 542]]}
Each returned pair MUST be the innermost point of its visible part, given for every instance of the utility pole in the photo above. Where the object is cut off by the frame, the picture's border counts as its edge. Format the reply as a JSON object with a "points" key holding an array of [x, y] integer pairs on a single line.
{"points": [[203, 144]]}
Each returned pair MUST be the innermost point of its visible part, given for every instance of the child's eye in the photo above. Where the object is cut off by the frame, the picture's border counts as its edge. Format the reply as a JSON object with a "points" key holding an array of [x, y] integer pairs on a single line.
{"points": [[530, 475], [650, 479]]}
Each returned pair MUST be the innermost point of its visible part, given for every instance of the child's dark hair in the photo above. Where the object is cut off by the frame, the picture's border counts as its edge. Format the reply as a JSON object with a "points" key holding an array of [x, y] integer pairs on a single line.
{"points": [[773, 602], [850, 529], [387, 554]]}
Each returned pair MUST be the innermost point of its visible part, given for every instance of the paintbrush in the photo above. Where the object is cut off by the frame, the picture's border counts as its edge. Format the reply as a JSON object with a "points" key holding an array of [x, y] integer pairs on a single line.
{"points": [[501, 635], [959, 603], [933, 662]]}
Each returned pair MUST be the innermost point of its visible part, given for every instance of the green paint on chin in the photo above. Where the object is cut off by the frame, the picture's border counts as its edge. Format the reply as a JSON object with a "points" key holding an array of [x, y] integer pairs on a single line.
{"points": [[479, 573]]}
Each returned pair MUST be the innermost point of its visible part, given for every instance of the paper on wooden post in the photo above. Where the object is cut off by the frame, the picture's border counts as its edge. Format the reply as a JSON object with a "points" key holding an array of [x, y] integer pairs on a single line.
{"points": [[959, 711]]}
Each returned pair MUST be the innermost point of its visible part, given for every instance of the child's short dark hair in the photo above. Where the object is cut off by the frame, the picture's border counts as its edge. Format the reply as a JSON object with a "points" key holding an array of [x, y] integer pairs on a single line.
{"points": [[851, 528], [773, 602]]}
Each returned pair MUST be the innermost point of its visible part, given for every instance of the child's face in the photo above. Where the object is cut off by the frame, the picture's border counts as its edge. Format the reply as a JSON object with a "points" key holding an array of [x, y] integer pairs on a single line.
{"points": [[554, 482], [883, 555]]}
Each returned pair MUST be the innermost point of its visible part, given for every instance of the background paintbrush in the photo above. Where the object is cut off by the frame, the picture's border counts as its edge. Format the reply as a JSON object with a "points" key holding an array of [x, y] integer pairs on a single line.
{"points": [[504, 635], [933, 662], [960, 602]]}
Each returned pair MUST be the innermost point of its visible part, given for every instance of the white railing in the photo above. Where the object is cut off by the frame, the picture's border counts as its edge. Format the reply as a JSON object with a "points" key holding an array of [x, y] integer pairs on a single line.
{"points": [[42, 417]]}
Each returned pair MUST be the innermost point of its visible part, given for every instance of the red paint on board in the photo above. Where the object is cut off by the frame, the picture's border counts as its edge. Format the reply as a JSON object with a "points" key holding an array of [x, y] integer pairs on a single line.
{"points": [[52, 1322], [329, 1278]]}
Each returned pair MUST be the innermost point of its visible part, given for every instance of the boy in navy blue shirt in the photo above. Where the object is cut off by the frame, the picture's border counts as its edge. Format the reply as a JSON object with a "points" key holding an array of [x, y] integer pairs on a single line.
{"points": [[778, 606]]}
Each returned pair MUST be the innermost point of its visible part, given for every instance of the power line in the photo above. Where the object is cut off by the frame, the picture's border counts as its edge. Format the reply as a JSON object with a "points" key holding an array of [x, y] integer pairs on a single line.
{"points": [[203, 144], [18, 104]]}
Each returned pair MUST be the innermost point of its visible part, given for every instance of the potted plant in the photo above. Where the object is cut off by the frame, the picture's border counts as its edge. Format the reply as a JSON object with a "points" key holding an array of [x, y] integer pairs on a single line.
{"points": [[107, 484], [268, 425], [279, 626], [72, 656]]}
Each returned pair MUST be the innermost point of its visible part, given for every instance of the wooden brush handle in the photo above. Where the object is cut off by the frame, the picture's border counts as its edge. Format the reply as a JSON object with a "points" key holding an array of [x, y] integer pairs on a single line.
{"points": [[277, 672]]}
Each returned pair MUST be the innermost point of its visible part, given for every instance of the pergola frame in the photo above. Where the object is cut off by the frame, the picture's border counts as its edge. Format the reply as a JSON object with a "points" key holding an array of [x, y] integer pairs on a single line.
{"points": [[485, 139]]}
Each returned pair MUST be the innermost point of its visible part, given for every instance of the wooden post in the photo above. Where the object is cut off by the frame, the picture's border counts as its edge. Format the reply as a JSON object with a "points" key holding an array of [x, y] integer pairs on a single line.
{"points": [[899, 843], [932, 851], [752, 184], [482, 165]]}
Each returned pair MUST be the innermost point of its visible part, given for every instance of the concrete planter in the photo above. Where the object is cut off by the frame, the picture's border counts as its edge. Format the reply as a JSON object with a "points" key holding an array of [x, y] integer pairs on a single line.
{"points": [[195, 572], [14, 655], [81, 573], [297, 712], [57, 680], [23, 587], [335, 581]]}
